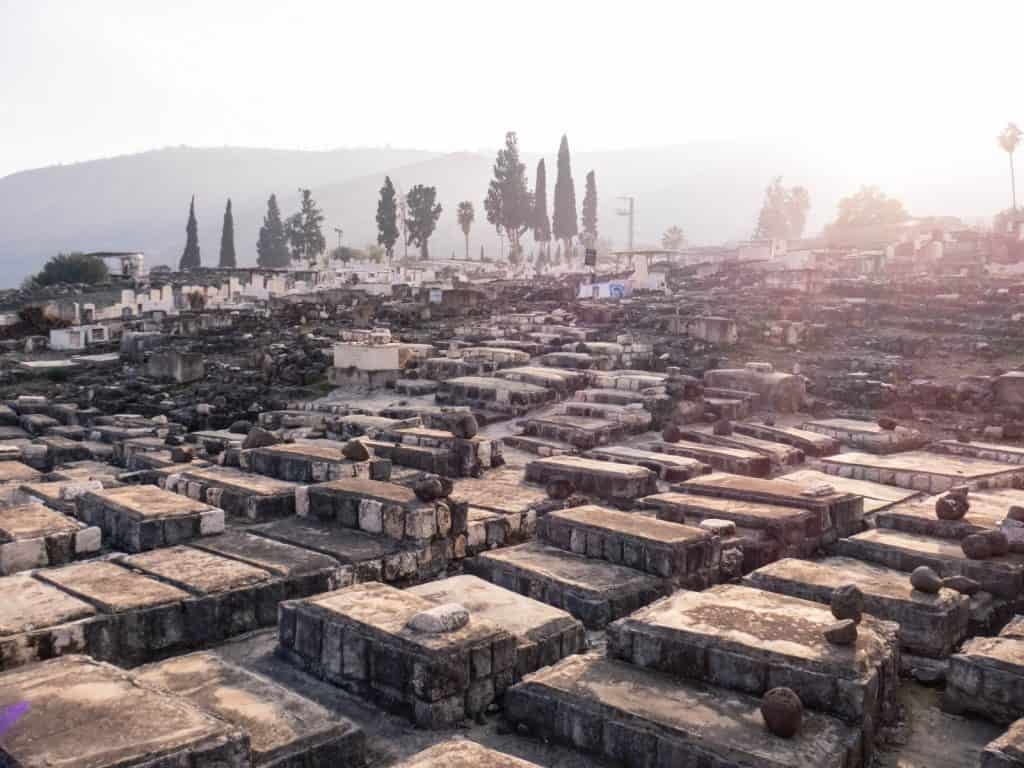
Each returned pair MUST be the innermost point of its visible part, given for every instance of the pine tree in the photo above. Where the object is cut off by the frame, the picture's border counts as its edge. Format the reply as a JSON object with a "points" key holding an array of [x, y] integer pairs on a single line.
{"points": [[590, 207], [227, 240], [424, 212], [303, 230], [190, 256], [387, 218], [509, 202], [563, 220], [272, 247], [541, 221]]}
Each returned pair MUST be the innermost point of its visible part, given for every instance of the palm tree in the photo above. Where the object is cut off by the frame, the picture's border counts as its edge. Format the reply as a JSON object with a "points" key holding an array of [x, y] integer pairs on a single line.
{"points": [[1008, 140], [465, 216], [674, 238]]}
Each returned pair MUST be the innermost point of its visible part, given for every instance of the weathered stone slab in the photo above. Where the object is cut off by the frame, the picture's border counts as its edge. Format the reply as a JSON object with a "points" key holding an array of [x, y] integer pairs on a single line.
{"points": [[779, 454], [486, 393], [243, 494], [669, 467], [284, 728], [839, 514], [502, 490], [987, 678], [867, 435], [487, 529], [16, 472], [987, 510], [617, 483], [543, 634], [687, 555], [635, 717], [1002, 576], [1005, 454], [88, 714], [924, 471], [311, 462], [877, 497], [460, 753], [111, 587], [39, 621], [137, 518], [34, 536], [320, 572], [749, 640], [594, 591], [360, 638], [739, 461], [196, 571], [930, 624], [581, 432], [371, 557]]}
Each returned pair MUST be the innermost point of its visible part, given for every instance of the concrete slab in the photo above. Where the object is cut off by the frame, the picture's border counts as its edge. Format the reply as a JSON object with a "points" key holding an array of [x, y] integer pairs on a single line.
{"points": [[750, 640], [635, 717], [137, 518], [594, 591], [687, 555], [543, 634], [87, 714], [930, 624], [284, 727], [359, 638], [924, 471], [1002, 576]]}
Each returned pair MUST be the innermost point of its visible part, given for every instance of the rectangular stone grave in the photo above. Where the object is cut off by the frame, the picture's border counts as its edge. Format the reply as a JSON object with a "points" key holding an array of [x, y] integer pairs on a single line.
{"points": [[877, 497], [1005, 454], [285, 728], [1002, 576], [779, 454], [688, 556], [543, 634], [461, 753], [238, 493], [136, 518], [39, 621], [924, 471], [617, 483], [987, 511], [986, 678], [487, 530], [739, 461], [930, 624], [88, 714], [670, 468], [752, 641], [311, 462], [360, 638], [34, 536], [15, 472], [637, 718], [594, 591]]}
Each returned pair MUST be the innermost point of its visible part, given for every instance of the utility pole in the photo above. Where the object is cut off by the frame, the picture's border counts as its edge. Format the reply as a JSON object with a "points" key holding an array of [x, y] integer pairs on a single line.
{"points": [[339, 230], [630, 212]]}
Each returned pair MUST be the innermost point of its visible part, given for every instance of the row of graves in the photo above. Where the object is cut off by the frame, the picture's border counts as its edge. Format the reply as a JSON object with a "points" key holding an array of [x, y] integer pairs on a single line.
{"points": [[743, 594]]}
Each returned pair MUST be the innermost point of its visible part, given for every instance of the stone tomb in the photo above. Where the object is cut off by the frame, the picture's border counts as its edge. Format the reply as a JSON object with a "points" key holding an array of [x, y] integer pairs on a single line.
{"points": [[987, 511], [89, 714], [767, 531], [285, 729], [877, 497], [460, 753], [34, 536], [839, 514], [543, 634], [987, 678], [688, 556], [924, 471], [670, 468], [749, 640], [238, 493], [930, 624], [1002, 576], [384, 508], [739, 461], [360, 638], [594, 591], [314, 461], [867, 435], [617, 483], [1006, 454], [137, 518], [638, 718]]}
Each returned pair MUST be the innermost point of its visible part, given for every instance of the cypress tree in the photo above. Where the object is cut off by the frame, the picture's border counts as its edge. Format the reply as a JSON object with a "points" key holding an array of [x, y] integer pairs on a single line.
{"points": [[387, 218], [227, 240], [190, 256], [564, 218], [590, 206], [541, 221], [272, 248]]}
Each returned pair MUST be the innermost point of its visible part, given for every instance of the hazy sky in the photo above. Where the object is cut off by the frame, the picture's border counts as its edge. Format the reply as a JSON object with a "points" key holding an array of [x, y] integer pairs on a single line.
{"points": [[895, 84]]}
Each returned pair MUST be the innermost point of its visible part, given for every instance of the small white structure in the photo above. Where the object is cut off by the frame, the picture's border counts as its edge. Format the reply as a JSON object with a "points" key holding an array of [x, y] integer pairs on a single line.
{"points": [[78, 337]]}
